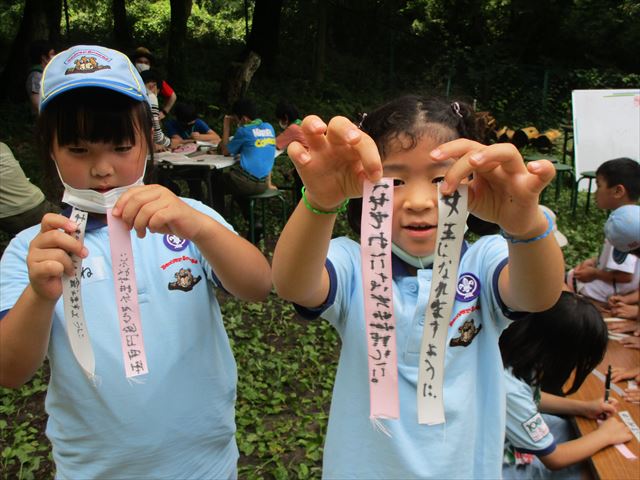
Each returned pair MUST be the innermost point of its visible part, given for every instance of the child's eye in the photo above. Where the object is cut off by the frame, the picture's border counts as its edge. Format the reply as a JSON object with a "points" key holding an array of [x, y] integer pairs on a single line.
{"points": [[77, 150], [437, 179], [123, 148], [397, 182]]}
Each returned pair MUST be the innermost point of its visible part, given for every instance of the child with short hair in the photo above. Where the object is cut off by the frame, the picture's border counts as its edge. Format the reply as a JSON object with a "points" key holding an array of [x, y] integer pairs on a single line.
{"points": [[420, 142], [538, 364], [188, 128], [162, 142], [597, 279], [177, 420]]}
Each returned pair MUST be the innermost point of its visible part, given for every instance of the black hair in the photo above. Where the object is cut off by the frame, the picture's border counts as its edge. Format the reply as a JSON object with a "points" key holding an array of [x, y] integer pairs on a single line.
{"points": [[622, 171], [244, 108], [409, 118], [185, 113], [39, 48], [543, 349], [92, 114], [151, 75], [287, 111]]}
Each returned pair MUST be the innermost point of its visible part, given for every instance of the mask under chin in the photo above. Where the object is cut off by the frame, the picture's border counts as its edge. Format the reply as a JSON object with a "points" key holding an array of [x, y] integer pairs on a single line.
{"points": [[425, 261]]}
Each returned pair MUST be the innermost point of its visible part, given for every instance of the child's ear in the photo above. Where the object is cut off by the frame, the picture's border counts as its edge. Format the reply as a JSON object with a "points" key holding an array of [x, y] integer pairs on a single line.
{"points": [[620, 191]]}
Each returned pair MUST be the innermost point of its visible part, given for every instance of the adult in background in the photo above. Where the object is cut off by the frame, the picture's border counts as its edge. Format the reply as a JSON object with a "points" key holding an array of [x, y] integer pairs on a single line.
{"points": [[22, 204], [40, 52], [143, 60]]}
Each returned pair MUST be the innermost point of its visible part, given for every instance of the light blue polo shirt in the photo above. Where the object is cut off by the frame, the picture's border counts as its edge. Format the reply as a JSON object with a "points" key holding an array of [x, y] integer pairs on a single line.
{"points": [[178, 420], [526, 430], [470, 443], [256, 144]]}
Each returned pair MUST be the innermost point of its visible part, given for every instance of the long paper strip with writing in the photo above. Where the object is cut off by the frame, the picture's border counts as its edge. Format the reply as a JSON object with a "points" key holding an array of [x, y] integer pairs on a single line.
{"points": [[621, 447], [124, 278], [452, 215], [77, 331], [375, 243]]}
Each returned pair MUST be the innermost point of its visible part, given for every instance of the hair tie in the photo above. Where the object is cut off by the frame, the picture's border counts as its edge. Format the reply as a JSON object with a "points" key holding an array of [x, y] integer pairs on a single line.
{"points": [[362, 117], [455, 106]]}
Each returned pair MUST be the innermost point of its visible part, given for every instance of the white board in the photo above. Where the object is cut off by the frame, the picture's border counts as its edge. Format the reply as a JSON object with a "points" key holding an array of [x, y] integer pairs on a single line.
{"points": [[606, 125]]}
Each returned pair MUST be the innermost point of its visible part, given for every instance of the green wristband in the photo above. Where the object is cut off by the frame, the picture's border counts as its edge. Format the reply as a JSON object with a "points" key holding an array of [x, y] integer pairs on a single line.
{"points": [[340, 209]]}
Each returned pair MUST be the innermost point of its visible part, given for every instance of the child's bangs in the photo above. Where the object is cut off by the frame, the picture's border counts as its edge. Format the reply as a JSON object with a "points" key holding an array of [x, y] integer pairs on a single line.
{"points": [[97, 115]]}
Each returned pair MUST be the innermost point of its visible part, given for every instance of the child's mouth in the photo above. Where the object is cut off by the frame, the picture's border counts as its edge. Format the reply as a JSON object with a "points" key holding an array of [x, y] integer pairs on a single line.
{"points": [[102, 189], [419, 227]]}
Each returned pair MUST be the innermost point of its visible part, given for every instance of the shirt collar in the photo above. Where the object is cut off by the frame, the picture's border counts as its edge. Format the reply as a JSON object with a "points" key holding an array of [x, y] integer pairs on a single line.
{"points": [[92, 222]]}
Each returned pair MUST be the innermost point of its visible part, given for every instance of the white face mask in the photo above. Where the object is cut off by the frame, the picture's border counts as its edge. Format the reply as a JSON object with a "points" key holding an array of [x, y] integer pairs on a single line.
{"points": [[418, 262], [141, 67], [92, 201]]}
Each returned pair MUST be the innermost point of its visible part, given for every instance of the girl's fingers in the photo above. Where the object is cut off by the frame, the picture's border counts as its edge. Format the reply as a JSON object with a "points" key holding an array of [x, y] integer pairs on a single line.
{"points": [[314, 129], [542, 172], [455, 149], [342, 132], [47, 257], [54, 221], [145, 213], [298, 155], [48, 269], [56, 239], [131, 205]]}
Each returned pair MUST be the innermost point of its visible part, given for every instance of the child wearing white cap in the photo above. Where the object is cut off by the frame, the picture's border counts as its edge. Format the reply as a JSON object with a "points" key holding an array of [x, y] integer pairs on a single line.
{"points": [[610, 274], [143, 379]]}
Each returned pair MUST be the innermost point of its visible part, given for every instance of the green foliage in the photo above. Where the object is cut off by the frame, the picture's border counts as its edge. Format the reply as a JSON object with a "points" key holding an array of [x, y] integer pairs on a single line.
{"points": [[25, 451]]}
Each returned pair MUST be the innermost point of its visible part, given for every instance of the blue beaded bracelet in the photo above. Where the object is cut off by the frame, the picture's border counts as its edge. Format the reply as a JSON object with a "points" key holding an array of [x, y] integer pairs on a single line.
{"points": [[510, 239]]}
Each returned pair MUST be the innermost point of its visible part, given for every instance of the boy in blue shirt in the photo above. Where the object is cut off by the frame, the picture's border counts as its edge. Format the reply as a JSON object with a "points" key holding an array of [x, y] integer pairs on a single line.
{"points": [[255, 143]]}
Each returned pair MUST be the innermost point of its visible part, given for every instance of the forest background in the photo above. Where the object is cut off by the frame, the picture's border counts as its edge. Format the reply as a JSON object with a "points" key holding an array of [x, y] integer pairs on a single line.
{"points": [[517, 59]]}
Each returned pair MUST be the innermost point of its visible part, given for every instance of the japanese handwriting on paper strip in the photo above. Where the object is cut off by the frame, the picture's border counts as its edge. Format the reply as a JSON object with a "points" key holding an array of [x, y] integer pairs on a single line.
{"points": [[452, 215], [377, 202], [126, 291], [77, 331]]}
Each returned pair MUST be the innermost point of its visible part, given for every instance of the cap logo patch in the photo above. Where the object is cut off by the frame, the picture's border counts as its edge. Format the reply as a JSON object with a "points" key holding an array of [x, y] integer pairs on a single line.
{"points": [[85, 64], [468, 287]]}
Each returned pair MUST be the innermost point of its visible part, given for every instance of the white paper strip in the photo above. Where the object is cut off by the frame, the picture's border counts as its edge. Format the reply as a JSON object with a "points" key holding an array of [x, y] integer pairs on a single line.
{"points": [[602, 378], [77, 331], [452, 215], [628, 421]]}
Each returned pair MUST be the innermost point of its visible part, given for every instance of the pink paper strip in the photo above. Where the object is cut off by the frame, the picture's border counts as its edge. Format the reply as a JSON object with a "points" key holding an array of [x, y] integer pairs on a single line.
{"points": [[124, 278], [375, 243]]}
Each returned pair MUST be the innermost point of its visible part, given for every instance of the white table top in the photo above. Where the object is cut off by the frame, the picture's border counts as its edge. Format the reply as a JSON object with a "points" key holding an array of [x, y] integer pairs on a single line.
{"points": [[204, 160]]}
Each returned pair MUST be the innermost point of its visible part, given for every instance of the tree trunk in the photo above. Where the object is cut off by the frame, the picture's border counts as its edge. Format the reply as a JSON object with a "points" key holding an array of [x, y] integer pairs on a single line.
{"points": [[265, 30], [121, 32], [180, 12], [40, 21], [262, 46], [321, 43]]}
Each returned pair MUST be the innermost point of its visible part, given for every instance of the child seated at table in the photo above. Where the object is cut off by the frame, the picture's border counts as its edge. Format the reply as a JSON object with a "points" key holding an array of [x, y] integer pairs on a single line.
{"points": [[255, 142], [187, 127], [540, 352], [597, 279]]}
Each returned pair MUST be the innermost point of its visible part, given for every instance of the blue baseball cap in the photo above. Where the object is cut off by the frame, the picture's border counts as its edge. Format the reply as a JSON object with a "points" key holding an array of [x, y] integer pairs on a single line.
{"points": [[622, 230], [91, 66]]}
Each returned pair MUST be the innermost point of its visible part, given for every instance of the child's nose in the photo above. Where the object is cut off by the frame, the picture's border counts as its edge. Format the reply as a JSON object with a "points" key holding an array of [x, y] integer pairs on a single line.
{"points": [[102, 167], [421, 196]]}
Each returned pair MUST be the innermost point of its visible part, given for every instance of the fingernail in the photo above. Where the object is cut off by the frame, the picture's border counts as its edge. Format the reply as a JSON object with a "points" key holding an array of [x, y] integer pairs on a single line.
{"points": [[115, 211], [316, 125], [73, 226], [444, 187], [534, 166], [476, 157], [436, 153], [304, 158], [84, 253]]}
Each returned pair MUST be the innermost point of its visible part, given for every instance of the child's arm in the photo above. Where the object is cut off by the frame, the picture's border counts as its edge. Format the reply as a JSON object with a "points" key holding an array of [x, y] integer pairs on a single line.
{"points": [[589, 274], [611, 432], [239, 265], [210, 136], [25, 329], [505, 191], [567, 406], [332, 170]]}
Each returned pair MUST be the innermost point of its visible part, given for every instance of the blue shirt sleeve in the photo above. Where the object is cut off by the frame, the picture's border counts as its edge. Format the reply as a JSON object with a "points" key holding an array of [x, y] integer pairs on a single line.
{"points": [[201, 126], [235, 144]]}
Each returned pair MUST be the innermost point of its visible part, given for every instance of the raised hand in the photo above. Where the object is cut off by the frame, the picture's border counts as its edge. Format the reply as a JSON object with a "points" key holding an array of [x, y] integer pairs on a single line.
{"points": [[157, 209], [503, 189], [339, 158], [49, 255]]}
